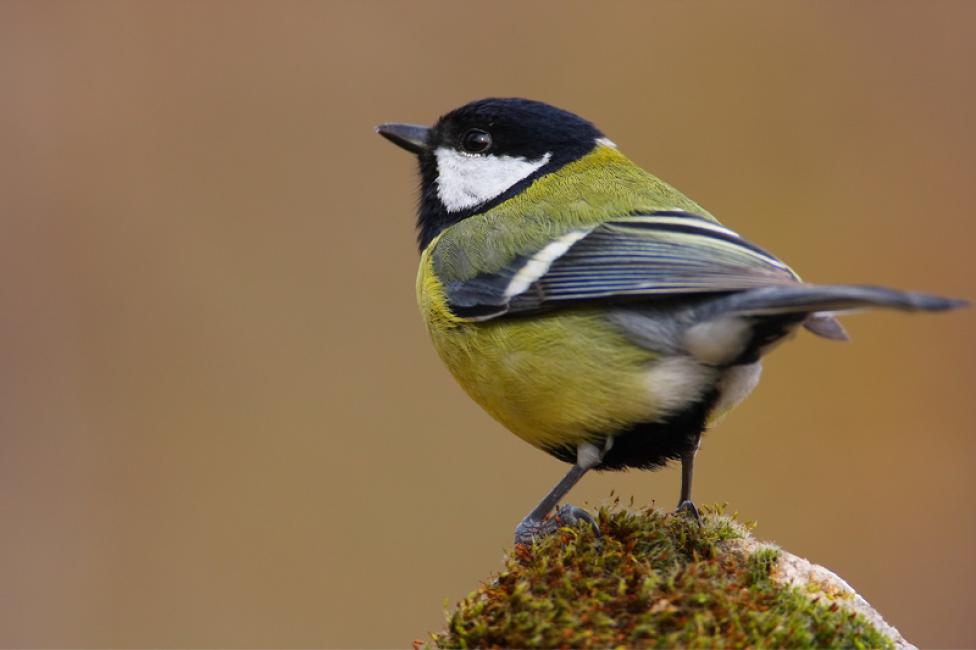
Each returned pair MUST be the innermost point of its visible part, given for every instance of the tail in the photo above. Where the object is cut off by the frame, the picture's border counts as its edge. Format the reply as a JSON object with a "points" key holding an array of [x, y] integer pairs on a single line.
{"points": [[814, 300]]}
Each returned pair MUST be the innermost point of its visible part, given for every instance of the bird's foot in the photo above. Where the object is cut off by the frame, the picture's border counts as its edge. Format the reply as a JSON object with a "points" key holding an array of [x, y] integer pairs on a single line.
{"points": [[688, 508], [530, 530]]}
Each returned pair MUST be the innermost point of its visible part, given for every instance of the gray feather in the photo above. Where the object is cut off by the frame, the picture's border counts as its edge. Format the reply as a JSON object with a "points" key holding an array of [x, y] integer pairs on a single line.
{"points": [[741, 327], [826, 326], [811, 298]]}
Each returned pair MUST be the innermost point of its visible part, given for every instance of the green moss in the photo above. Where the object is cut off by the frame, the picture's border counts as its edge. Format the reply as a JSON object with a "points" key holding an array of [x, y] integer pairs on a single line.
{"points": [[654, 580]]}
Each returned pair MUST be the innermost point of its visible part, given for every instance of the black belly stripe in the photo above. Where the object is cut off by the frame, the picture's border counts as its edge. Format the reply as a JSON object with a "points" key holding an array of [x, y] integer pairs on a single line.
{"points": [[650, 445]]}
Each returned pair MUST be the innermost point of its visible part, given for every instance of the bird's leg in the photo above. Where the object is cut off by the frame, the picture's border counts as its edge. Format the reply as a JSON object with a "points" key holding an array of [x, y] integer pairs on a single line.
{"points": [[535, 525], [685, 503]]}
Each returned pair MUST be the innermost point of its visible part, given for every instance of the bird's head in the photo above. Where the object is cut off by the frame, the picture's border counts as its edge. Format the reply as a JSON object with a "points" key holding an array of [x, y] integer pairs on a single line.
{"points": [[485, 152]]}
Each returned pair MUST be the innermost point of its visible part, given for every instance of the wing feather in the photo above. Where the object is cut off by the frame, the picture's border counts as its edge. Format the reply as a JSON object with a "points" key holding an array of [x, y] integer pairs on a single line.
{"points": [[646, 256]]}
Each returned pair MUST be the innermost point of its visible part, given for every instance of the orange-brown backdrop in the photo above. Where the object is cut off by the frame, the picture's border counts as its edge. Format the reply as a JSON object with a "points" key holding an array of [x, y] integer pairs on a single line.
{"points": [[221, 420]]}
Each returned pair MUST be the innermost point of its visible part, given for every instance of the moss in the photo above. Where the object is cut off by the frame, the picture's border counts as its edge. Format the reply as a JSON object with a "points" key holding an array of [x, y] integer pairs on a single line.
{"points": [[654, 580]]}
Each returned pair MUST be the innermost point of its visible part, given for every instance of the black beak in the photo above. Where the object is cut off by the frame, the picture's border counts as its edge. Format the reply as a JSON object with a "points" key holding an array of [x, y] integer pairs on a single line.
{"points": [[411, 137]]}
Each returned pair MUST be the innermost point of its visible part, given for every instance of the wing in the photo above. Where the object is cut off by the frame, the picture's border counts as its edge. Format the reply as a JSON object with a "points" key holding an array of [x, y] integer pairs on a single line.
{"points": [[639, 257]]}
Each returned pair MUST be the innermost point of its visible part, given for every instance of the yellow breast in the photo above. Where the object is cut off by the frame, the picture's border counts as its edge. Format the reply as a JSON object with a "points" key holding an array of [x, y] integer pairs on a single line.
{"points": [[551, 379]]}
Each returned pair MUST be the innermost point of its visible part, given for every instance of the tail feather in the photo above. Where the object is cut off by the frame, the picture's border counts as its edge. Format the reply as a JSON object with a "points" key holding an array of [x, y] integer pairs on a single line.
{"points": [[796, 298], [813, 299], [738, 328], [824, 325]]}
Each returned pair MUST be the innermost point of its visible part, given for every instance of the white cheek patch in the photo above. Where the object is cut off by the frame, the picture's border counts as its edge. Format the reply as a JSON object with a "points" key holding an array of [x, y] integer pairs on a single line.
{"points": [[466, 180]]}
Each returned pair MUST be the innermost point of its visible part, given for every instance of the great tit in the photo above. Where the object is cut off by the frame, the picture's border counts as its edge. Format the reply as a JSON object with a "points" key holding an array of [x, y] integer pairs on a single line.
{"points": [[591, 308]]}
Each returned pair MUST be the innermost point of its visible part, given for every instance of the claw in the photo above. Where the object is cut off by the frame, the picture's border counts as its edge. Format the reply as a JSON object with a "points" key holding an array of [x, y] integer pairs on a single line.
{"points": [[687, 507], [570, 515], [530, 530]]}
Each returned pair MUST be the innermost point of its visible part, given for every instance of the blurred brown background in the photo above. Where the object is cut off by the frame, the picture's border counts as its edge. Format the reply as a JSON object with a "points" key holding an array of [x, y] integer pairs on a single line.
{"points": [[222, 423]]}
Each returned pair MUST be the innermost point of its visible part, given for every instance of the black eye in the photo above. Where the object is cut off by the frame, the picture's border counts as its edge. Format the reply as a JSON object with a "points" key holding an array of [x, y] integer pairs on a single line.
{"points": [[476, 141]]}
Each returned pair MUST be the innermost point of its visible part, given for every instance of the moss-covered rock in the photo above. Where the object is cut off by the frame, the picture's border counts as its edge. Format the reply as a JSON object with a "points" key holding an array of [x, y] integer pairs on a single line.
{"points": [[657, 579]]}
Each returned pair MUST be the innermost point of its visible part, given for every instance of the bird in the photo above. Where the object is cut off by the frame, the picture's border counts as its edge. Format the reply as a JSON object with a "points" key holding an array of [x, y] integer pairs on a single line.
{"points": [[589, 307]]}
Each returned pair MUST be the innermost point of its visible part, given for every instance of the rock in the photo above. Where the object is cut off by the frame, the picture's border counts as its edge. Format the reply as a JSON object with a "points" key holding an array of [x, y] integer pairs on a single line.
{"points": [[820, 582]]}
